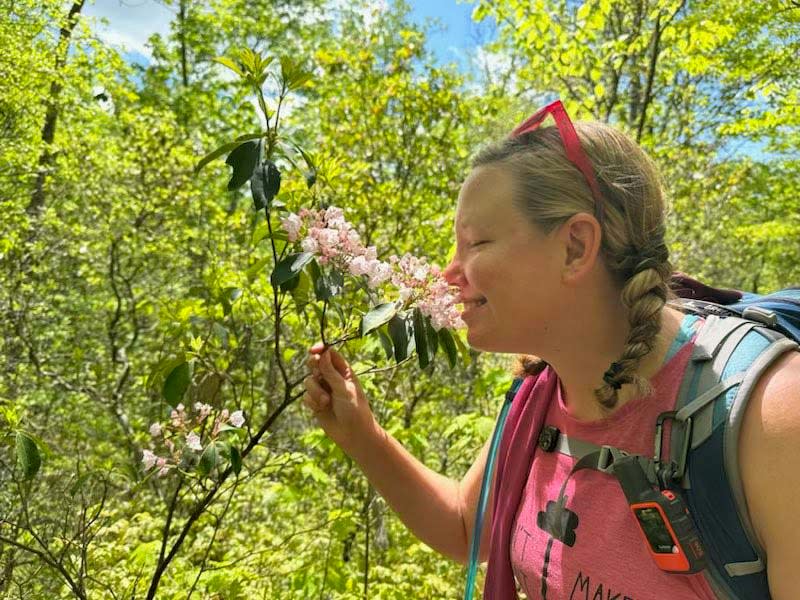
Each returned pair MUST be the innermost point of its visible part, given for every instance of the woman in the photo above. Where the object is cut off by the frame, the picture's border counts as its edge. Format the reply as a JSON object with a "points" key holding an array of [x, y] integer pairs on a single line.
{"points": [[561, 255]]}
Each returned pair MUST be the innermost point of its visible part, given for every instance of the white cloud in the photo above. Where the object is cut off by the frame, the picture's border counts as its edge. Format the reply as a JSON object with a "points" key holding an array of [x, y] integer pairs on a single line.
{"points": [[130, 22]]}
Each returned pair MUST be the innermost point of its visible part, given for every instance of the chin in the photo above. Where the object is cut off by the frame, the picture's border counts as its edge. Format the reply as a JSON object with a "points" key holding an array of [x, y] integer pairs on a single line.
{"points": [[485, 343]]}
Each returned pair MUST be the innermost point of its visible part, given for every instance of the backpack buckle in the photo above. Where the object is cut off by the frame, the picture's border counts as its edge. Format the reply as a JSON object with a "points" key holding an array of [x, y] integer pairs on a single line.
{"points": [[674, 469]]}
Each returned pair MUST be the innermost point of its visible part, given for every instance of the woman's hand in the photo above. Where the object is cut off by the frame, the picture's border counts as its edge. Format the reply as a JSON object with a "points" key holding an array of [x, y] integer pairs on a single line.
{"points": [[334, 395]]}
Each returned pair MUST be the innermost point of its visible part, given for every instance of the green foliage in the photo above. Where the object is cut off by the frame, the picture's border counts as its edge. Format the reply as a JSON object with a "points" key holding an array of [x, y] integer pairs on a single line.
{"points": [[146, 282]]}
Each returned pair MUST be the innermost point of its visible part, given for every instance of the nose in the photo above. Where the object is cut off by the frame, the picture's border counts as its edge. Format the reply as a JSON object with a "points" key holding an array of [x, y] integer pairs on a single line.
{"points": [[453, 273]]}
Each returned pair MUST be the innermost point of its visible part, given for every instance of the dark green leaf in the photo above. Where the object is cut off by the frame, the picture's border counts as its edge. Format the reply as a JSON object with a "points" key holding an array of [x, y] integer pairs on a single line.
{"points": [[243, 159], [265, 184], [402, 339], [377, 317], [28, 455], [290, 267], [208, 460], [328, 283], [421, 339], [236, 460], [386, 342], [449, 345], [224, 149], [177, 382], [161, 370], [433, 338]]}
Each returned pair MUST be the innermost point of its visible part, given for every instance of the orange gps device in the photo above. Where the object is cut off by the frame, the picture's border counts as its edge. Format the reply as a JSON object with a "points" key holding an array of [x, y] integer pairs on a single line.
{"points": [[669, 533], [663, 519]]}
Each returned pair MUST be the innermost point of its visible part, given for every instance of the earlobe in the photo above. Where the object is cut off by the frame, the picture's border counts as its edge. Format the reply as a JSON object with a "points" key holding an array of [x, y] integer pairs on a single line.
{"points": [[581, 236]]}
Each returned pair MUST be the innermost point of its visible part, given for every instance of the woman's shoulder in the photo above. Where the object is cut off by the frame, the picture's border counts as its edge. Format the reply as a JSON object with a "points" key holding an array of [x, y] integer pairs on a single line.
{"points": [[769, 459]]}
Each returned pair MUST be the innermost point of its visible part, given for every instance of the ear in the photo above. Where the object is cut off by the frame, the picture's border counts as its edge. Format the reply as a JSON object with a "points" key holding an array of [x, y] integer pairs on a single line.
{"points": [[581, 236]]}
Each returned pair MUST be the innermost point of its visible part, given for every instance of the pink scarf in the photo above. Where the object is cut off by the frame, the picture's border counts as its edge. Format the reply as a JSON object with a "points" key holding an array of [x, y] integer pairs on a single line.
{"points": [[514, 457]]}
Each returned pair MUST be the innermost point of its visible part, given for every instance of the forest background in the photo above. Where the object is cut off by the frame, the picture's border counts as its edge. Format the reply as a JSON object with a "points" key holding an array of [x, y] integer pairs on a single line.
{"points": [[130, 282]]}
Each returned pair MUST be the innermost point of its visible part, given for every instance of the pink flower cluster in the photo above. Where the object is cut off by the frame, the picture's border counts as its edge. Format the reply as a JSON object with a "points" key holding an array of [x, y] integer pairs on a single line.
{"points": [[422, 285], [185, 431], [327, 234]]}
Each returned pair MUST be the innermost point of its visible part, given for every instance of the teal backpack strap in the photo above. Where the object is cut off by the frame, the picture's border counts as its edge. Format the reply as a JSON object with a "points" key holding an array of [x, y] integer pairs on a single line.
{"points": [[729, 357], [483, 498]]}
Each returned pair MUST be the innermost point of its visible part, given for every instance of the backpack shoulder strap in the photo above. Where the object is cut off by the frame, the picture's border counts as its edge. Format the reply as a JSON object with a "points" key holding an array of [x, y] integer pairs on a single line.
{"points": [[730, 356]]}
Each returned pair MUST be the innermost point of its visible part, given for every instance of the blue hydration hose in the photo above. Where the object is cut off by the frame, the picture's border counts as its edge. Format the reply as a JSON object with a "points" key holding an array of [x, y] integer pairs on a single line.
{"points": [[475, 542]]}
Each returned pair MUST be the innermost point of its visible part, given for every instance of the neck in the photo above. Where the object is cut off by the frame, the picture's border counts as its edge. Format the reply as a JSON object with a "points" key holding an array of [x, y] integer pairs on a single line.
{"points": [[594, 338]]}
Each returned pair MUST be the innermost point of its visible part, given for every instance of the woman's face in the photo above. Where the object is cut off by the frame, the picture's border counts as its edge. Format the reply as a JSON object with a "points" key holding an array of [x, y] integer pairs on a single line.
{"points": [[507, 271]]}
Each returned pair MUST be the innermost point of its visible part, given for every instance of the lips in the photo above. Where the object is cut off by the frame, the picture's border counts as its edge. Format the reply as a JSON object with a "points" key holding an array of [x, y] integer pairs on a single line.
{"points": [[470, 305], [476, 301]]}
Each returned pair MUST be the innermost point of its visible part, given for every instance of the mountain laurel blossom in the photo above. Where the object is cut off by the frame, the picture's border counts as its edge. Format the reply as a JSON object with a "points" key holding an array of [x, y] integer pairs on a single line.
{"points": [[193, 441], [183, 431], [237, 418], [148, 459], [327, 234]]}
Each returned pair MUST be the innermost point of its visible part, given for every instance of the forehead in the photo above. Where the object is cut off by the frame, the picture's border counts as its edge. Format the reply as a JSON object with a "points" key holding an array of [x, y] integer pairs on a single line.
{"points": [[486, 199]]}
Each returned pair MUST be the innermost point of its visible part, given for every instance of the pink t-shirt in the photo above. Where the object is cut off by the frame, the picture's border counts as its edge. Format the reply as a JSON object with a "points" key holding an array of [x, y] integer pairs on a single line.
{"points": [[609, 559]]}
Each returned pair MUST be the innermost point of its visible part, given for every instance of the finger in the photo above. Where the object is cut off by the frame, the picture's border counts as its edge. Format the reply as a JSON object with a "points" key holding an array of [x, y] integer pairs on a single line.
{"points": [[331, 374], [317, 348], [312, 404], [316, 389]]}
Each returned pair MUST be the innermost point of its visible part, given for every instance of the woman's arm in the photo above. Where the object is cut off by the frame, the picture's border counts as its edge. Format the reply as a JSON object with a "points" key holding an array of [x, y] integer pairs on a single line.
{"points": [[439, 510], [769, 460]]}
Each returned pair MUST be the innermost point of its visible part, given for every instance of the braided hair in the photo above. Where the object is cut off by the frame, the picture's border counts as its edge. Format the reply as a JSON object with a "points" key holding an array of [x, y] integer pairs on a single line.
{"points": [[550, 190]]}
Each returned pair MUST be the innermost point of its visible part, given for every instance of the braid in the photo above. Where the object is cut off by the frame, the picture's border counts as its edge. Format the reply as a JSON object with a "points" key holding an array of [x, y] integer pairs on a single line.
{"points": [[644, 295], [527, 364]]}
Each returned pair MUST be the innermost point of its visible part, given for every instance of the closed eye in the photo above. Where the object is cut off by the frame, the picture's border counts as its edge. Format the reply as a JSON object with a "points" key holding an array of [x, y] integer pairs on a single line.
{"points": [[473, 244]]}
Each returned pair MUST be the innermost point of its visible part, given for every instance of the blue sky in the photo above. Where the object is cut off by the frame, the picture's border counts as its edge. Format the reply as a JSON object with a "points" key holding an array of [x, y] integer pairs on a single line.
{"points": [[131, 22]]}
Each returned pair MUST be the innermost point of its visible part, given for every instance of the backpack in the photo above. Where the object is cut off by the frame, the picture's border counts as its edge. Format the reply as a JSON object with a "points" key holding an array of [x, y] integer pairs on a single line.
{"points": [[742, 336]]}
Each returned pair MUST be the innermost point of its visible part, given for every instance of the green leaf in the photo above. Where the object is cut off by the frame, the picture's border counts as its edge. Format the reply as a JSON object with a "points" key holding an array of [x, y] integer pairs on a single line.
{"points": [[254, 269], [421, 339], [449, 345], [377, 317], [225, 61], [243, 159], [402, 341], [433, 338], [208, 460], [236, 460], [224, 149], [302, 292], [28, 455], [250, 136], [327, 283], [265, 184], [177, 382], [227, 297], [290, 267], [386, 342]]}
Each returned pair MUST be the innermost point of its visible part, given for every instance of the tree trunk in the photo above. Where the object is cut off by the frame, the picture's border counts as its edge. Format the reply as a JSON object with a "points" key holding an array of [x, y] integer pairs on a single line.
{"points": [[47, 157]]}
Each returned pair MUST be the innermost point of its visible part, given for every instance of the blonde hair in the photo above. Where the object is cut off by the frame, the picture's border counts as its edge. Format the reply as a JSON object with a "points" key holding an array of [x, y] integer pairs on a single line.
{"points": [[550, 190]]}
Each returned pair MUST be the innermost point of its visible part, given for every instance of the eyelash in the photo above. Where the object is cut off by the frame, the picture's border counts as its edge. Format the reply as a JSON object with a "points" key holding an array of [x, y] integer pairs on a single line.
{"points": [[473, 244]]}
